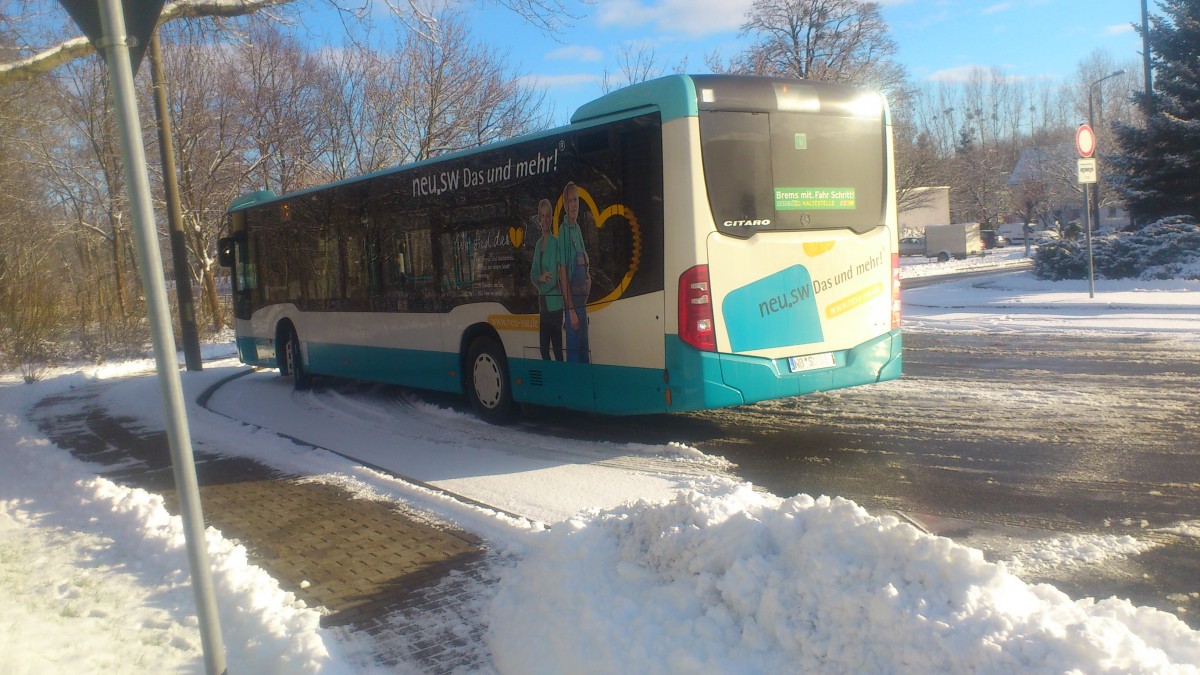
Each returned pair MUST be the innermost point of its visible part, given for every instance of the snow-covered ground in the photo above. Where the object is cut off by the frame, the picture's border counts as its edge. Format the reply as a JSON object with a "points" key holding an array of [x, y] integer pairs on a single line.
{"points": [[1022, 302], [674, 569]]}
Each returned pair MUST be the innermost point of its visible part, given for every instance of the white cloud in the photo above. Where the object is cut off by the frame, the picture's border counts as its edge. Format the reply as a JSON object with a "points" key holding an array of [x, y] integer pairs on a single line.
{"points": [[994, 9], [1119, 29], [955, 74], [560, 81], [694, 18], [966, 72], [576, 53]]}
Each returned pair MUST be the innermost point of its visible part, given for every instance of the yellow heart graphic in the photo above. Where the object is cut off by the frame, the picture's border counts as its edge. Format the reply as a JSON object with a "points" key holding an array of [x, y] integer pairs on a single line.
{"points": [[816, 248], [516, 235]]}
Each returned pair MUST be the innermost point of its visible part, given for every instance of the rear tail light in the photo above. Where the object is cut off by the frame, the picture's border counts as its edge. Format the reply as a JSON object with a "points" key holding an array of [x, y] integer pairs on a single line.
{"points": [[695, 310], [895, 291]]}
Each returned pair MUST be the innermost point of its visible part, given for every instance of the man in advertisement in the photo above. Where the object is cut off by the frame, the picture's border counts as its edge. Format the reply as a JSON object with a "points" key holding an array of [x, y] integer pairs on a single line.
{"points": [[574, 278]]}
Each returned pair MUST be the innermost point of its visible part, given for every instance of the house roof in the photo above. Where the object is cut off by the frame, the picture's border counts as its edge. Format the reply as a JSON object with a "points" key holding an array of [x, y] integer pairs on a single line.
{"points": [[1042, 162]]}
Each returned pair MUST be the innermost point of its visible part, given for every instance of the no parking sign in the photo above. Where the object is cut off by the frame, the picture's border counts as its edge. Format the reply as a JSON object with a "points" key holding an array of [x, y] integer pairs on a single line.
{"points": [[1085, 140]]}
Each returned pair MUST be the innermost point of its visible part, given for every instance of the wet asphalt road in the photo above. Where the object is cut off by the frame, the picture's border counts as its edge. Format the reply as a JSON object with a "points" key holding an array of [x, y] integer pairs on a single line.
{"points": [[996, 441]]}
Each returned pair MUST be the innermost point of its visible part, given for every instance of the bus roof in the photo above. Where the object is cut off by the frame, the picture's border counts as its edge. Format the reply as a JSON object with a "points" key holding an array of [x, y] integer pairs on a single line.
{"points": [[673, 96]]}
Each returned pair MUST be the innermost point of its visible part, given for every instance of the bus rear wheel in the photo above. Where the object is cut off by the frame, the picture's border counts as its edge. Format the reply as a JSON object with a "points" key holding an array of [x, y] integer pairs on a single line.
{"points": [[488, 385], [293, 362]]}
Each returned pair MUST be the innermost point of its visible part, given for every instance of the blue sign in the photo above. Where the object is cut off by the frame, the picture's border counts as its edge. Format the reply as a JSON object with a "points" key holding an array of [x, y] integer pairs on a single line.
{"points": [[775, 311]]}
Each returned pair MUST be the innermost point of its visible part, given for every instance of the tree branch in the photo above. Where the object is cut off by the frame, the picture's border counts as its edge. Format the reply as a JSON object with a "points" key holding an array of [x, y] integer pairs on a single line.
{"points": [[43, 62]]}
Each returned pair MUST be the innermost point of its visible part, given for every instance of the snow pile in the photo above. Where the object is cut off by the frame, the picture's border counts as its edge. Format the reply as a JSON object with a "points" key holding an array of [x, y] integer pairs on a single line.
{"points": [[1010, 257], [96, 579], [679, 452], [750, 583], [1074, 550], [1186, 528]]}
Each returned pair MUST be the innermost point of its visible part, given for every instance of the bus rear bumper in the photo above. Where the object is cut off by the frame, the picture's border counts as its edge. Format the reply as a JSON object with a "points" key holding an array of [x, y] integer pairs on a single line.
{"points": [[719, 380]]}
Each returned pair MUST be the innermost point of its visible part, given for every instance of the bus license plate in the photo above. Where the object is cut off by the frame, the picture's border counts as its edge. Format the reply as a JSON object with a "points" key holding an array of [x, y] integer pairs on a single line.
{"points": [[798, 364]]}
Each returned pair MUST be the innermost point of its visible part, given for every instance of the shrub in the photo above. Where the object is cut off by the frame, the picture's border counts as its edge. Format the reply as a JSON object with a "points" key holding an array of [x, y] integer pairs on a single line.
{"points": [[31, 323], [1166, 249], [1058, 260]]}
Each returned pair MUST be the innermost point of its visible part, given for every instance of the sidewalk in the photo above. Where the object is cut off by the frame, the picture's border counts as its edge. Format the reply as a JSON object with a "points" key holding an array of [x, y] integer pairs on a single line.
{"points": [[361, 560], [1169, 309]]}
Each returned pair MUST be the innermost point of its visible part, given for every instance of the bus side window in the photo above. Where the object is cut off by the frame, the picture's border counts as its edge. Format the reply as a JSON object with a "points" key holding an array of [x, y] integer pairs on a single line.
{"points": [[421, 288], [245, 279], [395, 275]]}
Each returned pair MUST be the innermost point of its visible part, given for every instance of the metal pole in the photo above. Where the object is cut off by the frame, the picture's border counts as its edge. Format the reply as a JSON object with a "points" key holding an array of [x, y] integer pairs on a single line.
{"points": [[183, 273], [1087, 202], [116, 47], [1146, 59], [1088, 235], [1091, 193]]}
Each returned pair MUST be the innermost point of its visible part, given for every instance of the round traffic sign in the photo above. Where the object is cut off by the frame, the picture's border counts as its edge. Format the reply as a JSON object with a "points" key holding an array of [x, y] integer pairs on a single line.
{"points": [[1085, 141]]}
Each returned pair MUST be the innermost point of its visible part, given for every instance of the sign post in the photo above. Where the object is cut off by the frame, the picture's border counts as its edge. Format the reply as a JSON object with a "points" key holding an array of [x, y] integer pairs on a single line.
{"points": [[103, 21], [1085, 143]]}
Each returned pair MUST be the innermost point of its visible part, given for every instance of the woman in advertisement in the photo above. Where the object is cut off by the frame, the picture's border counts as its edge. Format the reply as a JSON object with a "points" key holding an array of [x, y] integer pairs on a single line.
{"points": [[544, 273]]}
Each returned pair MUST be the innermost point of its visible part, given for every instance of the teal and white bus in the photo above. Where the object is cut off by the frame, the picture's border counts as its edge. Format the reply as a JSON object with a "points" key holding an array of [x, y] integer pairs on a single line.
{"points": [[709, 241]]}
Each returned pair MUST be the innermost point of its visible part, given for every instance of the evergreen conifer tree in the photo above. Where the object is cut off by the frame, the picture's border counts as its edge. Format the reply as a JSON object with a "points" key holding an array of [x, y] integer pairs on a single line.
{"points": [[1157, 168]]}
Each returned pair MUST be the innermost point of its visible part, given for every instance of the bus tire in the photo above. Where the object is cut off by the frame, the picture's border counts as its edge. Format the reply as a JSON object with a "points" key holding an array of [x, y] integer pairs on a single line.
{"points": [[488, 384], [943, 257], [293, 360]]}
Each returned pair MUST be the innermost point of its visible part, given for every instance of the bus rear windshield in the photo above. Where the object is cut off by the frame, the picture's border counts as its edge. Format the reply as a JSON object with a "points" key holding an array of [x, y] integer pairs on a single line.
{"points": [[793, 170]]}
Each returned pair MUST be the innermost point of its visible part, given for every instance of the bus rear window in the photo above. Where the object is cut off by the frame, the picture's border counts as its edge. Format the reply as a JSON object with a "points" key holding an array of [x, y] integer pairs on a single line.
{"points": [[793, 171]]}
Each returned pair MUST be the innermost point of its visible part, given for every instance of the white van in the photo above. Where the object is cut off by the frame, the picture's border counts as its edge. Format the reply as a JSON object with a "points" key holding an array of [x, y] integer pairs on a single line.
{"points": [[1014, 232]]}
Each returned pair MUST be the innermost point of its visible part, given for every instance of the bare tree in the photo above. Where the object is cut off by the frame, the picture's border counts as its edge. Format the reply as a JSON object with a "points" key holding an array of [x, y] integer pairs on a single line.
{"points": [[1044, 185], [90, 185], [637, 61], [843, 41], [33, 299], [552, 16], [356, 111], [458, 94], [918, 167], [211, 137], [980, 193], [43, 60], [278, 86]]}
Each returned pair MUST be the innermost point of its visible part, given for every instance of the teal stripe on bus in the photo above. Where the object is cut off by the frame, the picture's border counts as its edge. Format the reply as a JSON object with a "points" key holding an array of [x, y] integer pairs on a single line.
{"points": [[609, 390], [550, 383], [716, 379], [422, 369], [699, 380], [249, 353]]}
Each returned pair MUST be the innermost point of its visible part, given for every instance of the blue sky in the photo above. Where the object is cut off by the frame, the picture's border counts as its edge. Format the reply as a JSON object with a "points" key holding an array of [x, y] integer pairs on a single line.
{"points": [[937, 39]]}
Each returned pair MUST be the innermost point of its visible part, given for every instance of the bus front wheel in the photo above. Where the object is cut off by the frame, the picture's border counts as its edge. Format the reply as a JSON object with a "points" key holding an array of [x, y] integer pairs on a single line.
{"points": [[488, 385], [294, 363]]}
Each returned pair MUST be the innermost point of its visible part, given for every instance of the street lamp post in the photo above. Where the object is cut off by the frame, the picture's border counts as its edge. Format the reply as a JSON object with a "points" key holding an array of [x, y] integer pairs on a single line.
{"points": [[1092, 194], [1146, 59]]}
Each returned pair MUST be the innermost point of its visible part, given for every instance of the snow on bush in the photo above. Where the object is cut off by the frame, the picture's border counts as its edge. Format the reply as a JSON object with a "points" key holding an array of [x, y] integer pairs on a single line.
{"points": [[1166, 249]]}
